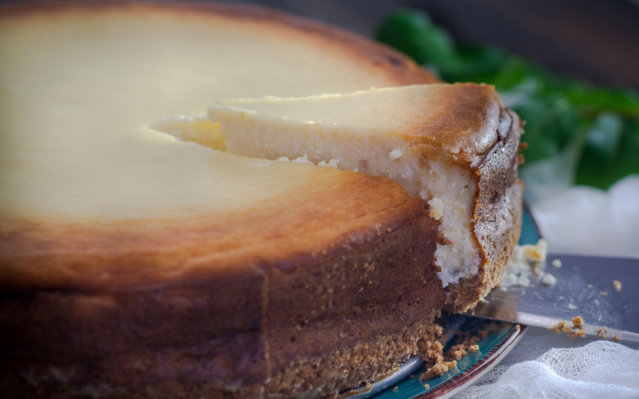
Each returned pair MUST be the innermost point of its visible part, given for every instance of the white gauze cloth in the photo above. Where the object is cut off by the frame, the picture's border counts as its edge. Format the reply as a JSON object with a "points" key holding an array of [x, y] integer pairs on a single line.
{"points": [[600, 369]]}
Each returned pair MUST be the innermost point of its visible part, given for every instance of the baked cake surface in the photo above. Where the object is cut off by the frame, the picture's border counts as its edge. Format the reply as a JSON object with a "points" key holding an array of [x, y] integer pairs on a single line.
{"points": [[136, 264]]}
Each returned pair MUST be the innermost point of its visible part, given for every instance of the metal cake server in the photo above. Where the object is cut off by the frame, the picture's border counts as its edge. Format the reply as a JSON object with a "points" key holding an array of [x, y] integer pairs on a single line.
{"points": [[585, 287]]}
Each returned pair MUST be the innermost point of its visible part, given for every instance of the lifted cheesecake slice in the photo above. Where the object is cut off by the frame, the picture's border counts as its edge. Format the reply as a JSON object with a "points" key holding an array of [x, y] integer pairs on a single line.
{"points": [[455, 146]]}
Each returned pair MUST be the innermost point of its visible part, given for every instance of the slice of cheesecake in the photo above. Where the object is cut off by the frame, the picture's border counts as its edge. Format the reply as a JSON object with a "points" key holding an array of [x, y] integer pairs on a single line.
{"points": [[454, 146], [134, 264]]}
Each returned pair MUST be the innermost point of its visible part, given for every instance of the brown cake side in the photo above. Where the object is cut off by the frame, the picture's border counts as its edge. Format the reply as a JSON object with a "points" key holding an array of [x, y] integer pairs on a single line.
{"points": [[343, 305]]}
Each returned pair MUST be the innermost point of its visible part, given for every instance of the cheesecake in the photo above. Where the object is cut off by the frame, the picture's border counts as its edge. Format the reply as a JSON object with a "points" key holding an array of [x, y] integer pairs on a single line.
{"points": [[148, 254], [433, 139]]}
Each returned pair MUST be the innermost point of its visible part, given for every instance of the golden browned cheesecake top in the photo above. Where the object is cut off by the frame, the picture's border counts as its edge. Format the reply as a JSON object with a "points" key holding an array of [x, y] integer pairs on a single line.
{"points": [[326, 213], [92, 194]]}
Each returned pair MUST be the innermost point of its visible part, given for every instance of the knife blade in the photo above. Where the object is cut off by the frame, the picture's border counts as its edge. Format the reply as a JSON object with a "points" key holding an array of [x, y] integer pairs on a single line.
{"points": [[585, 287]]}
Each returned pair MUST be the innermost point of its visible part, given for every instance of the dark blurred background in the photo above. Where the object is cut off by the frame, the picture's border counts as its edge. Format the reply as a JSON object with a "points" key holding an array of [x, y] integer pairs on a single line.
{"points": [[597, 40]]}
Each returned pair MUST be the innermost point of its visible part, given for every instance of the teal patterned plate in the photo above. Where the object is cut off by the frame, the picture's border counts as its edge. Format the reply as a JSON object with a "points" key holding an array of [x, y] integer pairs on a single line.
{"points": [[469, 368]]}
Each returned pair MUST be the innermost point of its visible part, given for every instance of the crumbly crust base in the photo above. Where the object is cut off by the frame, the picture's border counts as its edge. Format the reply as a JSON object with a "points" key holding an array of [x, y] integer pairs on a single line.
{"points": [[371, 303]]}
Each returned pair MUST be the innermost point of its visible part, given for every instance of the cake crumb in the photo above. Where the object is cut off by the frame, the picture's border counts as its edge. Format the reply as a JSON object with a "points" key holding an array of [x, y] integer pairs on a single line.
{"points": [[525, 262], [580, 333], [396, 153], [559, 327], [332, 163], [395, 388], [467, 341], [571, 306], [457, 351], [535, 253], [603, 293], [589, 285], [426, 386], [617, 285], [439, 363], [602, 332], [556, 263], [438, 369], [597, 302], [436, 210], [548, 279], [574, 330], [577, 321], [303, 160]]}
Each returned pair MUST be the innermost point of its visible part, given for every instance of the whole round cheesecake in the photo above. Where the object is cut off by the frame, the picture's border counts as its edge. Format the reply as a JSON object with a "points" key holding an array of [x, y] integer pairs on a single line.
{"points": [[137, 263]]}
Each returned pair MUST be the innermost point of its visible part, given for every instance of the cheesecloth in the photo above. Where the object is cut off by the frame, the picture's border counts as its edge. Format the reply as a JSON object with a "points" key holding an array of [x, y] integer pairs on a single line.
{"points": [[600, 369]]}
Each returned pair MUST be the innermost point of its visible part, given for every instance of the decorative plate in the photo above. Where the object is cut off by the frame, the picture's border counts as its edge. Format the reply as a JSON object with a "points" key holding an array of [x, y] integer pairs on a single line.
{"points": [[406, 384]]}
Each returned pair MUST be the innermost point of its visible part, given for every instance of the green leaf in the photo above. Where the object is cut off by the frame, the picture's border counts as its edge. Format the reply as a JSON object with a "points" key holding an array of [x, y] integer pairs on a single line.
{"points": [[414, 34], [474, 64], [593, 100], [516, 71]]}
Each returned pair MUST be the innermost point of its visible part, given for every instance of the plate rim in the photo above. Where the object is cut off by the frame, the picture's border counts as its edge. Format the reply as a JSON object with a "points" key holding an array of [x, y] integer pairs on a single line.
{"points": [[478, 369]]}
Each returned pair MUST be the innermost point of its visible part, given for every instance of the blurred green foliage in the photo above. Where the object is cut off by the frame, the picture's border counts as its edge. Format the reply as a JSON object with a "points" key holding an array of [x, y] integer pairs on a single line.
{"points": [[560, 112]]}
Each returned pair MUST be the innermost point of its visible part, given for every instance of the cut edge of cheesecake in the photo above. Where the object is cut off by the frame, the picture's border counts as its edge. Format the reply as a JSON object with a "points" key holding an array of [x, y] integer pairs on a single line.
{"points": [[452, 145]]}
